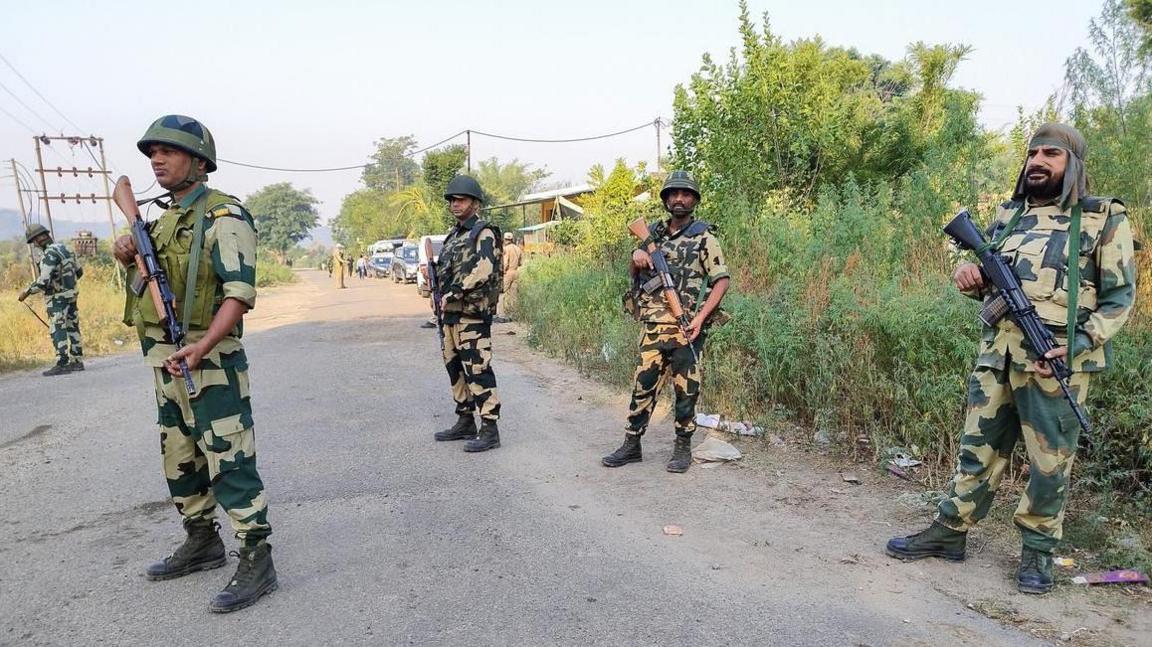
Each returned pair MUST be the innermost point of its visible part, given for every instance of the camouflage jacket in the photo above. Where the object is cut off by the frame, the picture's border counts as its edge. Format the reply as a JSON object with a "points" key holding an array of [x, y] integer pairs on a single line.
{"points": [[1037, 249], [468, 269], [226, 270], [58, 273], [696, 263]]}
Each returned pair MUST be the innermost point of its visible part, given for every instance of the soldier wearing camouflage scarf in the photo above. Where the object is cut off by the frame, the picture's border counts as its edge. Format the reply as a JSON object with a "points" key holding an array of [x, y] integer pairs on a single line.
{"points": [[57, 282], [1011, 392], [697, 266], [468, 271], [206, 243]]}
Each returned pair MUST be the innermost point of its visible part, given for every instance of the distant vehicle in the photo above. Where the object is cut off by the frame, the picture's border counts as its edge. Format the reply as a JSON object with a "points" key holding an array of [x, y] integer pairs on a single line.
{"points": [[405, 264], [380, 265], [437, 243], [384, 246]]}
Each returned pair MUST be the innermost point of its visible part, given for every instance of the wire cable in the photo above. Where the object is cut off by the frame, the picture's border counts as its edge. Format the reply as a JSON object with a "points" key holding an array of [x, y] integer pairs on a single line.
{"points": [[42, 97], [335, 168], [17, 120], [566, 140], [27, 107]]}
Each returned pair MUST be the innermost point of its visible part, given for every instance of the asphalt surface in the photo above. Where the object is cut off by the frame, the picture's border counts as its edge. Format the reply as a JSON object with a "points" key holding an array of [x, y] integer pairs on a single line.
{"points": [[383, 537]]}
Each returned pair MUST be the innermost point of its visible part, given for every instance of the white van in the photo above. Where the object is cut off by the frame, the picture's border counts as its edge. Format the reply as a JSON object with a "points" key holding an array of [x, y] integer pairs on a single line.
{"points": [[437, 243]]}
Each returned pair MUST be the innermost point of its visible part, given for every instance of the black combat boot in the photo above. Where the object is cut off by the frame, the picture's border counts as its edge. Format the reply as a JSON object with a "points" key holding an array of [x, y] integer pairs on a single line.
{"points": [[937, 541], [59, 369], [76, 365], [255, 576], [681, 455], [464, 429], [202, 550], [629, 452], [489, 438], [1035, 574]]}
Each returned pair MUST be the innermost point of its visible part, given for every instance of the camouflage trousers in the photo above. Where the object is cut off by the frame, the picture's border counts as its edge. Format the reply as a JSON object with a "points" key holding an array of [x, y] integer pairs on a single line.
{"points": [[468, 359], [64, 326], [209, 447], [663, 355], [1004, 405]]}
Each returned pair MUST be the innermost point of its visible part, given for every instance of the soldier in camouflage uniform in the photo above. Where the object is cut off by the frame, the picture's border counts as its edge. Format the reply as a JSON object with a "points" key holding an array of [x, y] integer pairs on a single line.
{"points": [[1011, 392], [468, 269], [697, 266], [206, 242], [57, 282]]}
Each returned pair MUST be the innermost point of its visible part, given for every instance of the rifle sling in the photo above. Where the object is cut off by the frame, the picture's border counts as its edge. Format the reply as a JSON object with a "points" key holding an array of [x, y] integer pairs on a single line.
{"points": [[194, 258]]}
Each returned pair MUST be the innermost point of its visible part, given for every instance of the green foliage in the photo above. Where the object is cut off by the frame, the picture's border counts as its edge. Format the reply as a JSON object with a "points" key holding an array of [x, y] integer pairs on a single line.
{"points": [[613, 204], [440, 166], [1141, 12], [391, 168], [505, 183], [787, 118], [284, 215], [270, 274]]}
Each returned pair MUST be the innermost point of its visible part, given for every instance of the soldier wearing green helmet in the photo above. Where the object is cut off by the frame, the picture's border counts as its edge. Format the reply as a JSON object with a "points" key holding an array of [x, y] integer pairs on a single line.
{"points": [[206, 242], [700, 275], [57, 282], [468, 271]]}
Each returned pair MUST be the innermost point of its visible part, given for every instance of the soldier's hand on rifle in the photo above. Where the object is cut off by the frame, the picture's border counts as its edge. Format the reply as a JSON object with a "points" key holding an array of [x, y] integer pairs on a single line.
{"points": [[641, 261], [124, 250], [967, 277], [192, 354], [23, 295], [694, 327], [1043, 369]]}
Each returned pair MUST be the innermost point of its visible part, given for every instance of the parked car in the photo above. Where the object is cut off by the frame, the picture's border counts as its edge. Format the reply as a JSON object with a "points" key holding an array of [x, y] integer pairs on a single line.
{"points": [[405, 264], [437, 243], [380, 265]]}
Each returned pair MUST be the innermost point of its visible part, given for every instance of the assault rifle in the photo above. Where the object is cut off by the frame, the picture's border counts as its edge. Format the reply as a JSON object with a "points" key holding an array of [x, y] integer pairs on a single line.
{"points": [[434, 289], [150, 275], [639, 229], [997, 271]]}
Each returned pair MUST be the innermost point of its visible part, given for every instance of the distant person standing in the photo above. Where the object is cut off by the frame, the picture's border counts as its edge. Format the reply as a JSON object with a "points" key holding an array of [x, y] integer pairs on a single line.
{"points": [[338, 265], [57, 282], [361, 267], [513, 257]]}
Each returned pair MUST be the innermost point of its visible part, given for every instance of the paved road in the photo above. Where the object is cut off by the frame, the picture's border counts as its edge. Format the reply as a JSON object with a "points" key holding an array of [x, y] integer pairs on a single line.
{"points": [[382, 536]]}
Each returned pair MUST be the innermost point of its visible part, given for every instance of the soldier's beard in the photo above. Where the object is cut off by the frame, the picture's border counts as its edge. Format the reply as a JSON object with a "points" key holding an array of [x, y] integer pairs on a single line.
{"points": [[680, 211], [1050, 187]]}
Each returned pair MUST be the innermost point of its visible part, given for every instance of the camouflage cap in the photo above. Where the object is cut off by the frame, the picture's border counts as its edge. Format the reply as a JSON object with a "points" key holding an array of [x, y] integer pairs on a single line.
{"points": [[679, 180], [36, 230], [184, 133]]}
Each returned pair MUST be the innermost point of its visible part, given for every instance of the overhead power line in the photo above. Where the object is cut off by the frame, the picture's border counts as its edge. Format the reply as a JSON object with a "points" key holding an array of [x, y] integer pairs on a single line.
{"points": [[27, 107], [17, 120], [42, 97], [565, 140]]}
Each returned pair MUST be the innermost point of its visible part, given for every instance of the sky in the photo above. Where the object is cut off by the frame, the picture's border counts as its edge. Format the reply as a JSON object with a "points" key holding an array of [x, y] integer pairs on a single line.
{"points": [[313, 84]]}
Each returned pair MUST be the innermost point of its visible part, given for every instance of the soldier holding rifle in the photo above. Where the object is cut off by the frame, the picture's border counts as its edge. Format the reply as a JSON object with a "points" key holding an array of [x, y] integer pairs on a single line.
{"points": [[1013, 392], [679, 261], [202, 271]]}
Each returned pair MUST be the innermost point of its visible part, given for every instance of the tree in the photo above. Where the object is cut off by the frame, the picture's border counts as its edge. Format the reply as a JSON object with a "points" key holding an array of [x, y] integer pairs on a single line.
{"points": [[391, 168], [284, 215], [1141, 12], [505, 183]]}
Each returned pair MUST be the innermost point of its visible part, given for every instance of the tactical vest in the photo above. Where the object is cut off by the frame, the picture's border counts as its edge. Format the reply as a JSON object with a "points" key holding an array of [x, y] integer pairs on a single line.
{"points": [[172, 236], [1038, 249], [67, 271], [451, 256]]}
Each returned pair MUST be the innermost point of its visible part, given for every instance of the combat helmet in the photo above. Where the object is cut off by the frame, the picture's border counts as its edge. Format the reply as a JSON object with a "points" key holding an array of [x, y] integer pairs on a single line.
{"points": [[36, 230], [184, 133], [464, 185], [679, 180]]}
